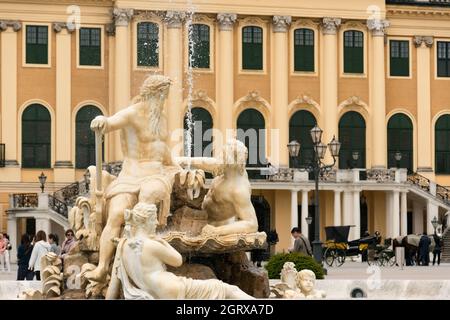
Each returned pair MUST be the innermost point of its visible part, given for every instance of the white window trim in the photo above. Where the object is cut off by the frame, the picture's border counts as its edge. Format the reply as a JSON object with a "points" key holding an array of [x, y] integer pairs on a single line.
{"points": [[435, 52], [210, 23], [388, 57], [160, 45], [257, 22], [356, 27], [102, 48], [24, 46], [301, 24]]}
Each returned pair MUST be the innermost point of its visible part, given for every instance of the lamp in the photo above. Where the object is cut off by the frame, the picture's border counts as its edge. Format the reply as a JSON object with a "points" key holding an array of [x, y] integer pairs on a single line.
{"points": [[316, 134], [355, 155], [334, 146], [42, 179], [294, 148], [398, 157], [308, 220], [320, 150], [435, 223]]}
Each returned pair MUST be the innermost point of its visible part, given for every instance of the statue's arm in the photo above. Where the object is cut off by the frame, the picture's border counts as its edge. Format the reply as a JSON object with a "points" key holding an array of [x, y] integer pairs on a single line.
{"points": [[203, 163], [115, 122], [167, 254]]}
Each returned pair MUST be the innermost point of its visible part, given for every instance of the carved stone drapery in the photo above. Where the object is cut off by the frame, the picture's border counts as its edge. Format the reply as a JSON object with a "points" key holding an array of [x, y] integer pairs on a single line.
{"points": [[330, 25], [15, 24], [427, 40], [58, 26], [174, 19], [226, 21], [281, 23], [122, 16], [377, 26]]}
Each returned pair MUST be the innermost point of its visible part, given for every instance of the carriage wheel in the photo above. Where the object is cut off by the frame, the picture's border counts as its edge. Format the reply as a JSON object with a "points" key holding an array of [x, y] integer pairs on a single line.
{"points": [[329, 256], [388, 260], [340, 257]]}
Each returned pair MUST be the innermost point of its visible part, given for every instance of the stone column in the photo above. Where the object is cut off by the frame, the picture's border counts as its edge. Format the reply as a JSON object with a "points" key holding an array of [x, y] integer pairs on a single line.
{"points": [[280, 74], [44, 225], [347, 209], [63, 165], [403, 214], [396, 213], [330, 80], [389, 215], [424, 163], [12, 232], [417, 217], [305, 229], [294, 209], [9, 98], [356, 230], [122, 86], [225, 73], [432, 211], [377, 93], [337, 208], [174, 108]]}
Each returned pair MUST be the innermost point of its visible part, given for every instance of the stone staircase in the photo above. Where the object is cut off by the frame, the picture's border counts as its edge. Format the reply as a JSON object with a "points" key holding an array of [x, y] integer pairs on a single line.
{"points": [[445, 255]]}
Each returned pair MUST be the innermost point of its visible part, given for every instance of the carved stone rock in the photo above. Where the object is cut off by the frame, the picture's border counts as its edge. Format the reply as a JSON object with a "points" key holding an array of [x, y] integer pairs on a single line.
{"points": [[188, 220], [194, 271], [72, 260], [180, 197]]}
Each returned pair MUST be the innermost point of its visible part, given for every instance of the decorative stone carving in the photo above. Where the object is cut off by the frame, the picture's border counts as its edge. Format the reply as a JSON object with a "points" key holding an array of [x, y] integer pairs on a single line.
{"points": [[148, 15], [16, 25], [330, 25], [52, 278], [427, 40], [122, 16], [111, 29], [281, 23], [57, 27], [226, 21], [377, 26], [174, 19], [305, 99], [353, 100]]}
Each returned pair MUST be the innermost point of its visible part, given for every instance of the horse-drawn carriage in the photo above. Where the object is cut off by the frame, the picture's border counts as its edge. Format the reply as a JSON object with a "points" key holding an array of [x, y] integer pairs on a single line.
{"points": [[337, 248]]}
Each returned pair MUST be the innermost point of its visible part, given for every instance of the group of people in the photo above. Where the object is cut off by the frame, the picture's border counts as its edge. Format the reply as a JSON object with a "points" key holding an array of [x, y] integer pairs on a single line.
{"points": [[424, 248], [32, 249], [5, 247]]}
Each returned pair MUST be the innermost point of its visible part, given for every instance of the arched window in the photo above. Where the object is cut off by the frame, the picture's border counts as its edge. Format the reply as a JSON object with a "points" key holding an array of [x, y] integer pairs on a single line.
{"points": [[199, 51], [353, 51], [252, 48], [300, 126], [147, 44], [442, 144], [201, 135], [304, 50], [352, 135], [36, 137], [251, 131], [400, 139], [85, 137]]}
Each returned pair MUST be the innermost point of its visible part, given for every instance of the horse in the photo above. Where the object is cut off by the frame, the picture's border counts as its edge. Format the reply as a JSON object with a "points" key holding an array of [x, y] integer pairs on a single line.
{"points": [[411, 245]]}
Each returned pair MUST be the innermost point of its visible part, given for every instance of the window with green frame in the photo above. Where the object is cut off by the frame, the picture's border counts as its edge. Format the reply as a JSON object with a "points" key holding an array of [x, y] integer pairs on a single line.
{"points": [[85, 138], [90, 47], [443, 59], [300, 126], [442, 144], [304, 50], [252, 48], [199, 50], [400, 139], [399, 58], [251, 131], [36, 45], [353, 51], [147, 44], [352, 135], [36, 137]]}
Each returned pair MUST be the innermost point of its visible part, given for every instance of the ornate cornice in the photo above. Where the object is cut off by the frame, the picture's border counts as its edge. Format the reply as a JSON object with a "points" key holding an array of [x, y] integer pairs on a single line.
{"points": [[174, 19], [15, 24], [418, 12], [226, 21], [281, 23], [353, 100], [148, 15], [427, 40], [58, 26], [330, 25], [305, 99], [122, 16], [377, 26]]}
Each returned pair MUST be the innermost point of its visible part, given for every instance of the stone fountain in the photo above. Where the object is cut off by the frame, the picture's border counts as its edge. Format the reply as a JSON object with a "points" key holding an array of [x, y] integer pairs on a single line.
{"points": [[157, 215]]}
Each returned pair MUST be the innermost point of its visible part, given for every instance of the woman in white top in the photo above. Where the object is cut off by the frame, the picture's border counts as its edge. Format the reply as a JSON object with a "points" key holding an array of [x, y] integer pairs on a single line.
{"points": [[6, 253], [40, 249]]}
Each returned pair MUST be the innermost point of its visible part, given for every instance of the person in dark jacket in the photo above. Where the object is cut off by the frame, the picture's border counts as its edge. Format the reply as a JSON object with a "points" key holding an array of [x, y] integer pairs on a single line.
{"points": [[23, 257], [437, 249], [424, 248]]}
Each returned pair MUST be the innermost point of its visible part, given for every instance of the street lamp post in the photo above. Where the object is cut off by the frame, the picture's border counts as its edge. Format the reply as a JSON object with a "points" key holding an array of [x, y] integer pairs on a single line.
{"points": [[318, 167], [42, 179]]}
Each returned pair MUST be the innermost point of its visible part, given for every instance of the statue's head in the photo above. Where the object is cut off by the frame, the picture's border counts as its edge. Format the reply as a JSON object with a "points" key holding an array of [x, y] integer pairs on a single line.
{"points": [[305, 281], [234, 155], [143, 215], [155, 85]]}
